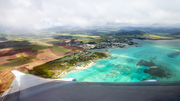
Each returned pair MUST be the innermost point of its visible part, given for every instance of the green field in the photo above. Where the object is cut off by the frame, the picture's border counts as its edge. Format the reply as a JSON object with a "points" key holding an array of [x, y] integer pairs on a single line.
{"points": [[20, 54], [97, 41], [9, 85], [18, 61], [156, 36], [39, 47], [40, 52], [163, 34], [54, 42], [59, 51], [160, 37]]}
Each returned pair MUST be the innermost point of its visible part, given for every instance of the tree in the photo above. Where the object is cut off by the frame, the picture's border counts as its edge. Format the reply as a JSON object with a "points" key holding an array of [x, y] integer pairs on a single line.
{"points": [[72, 41]]}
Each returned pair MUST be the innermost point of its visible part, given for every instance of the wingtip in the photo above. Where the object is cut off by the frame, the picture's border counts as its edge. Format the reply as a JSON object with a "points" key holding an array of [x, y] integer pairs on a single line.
{"points": [[17, 73]]}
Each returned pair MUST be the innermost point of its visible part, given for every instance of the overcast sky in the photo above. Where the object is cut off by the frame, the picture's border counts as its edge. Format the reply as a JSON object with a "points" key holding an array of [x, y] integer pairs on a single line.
{"points": [[37, 14]]}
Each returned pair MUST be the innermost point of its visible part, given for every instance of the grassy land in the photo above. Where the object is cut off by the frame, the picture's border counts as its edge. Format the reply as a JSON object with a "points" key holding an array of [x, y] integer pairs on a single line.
{"points": [[18, 61], [39, 47], [97, 41], [59, 50], [9, 85], [79, 35], [54, 42], [160, 37], [156, 36], [20, 54], [163, 34], [24, 47], [40, 52], [90, 39], [26, 72]]}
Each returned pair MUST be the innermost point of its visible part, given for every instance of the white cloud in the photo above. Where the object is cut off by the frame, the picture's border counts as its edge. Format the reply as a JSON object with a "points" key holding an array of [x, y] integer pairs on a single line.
{"points": [[37, 14]]}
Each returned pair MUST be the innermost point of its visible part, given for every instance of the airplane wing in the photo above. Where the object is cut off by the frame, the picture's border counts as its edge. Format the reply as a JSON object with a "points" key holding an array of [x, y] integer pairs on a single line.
{"points": [[26, 87]]}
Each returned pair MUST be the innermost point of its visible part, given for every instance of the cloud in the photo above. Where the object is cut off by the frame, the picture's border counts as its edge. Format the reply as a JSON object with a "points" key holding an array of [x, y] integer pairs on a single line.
{"points": [[38, 14]]}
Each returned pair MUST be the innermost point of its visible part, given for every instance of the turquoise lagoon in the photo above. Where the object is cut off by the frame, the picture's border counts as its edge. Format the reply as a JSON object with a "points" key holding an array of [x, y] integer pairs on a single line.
{"points": [[149, 59]]}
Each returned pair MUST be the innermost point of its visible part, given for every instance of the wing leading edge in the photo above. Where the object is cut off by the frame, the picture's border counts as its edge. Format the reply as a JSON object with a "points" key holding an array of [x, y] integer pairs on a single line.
{"points": [[26, 87]]}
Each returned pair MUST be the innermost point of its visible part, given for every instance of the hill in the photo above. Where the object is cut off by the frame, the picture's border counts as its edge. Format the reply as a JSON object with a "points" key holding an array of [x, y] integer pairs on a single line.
{"points": [[177, 33], [131, 33]]}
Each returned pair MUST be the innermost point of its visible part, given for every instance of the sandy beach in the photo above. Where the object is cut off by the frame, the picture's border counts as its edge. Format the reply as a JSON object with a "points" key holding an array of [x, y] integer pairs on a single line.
{"points": [[85, 66]]}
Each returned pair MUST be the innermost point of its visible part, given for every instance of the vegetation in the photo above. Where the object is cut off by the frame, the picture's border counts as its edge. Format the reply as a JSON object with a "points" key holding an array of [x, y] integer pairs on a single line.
{"points": [[91, 42], [26, 72], [62, 37], [98, 55], [48, 69], [96, 41], [39, 47], [18, 61], [160, 37], [8, 44], [54, 42], [163, 34], [40, 52], [2, 39], [20, 54], [59, 50], [22, 58], [9, 85], [134, 32]]}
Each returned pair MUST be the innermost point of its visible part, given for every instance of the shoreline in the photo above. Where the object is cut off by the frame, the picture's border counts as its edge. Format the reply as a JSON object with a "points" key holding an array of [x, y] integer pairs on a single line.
{"points": [[85, 66], [76, 68], [156, 39]]}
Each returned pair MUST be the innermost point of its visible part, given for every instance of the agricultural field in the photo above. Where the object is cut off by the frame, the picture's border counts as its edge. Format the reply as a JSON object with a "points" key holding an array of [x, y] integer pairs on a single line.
{"points": [[39, 47], [58, 50], [18, 61], [20, 51], [163, 34], [160, 37]]}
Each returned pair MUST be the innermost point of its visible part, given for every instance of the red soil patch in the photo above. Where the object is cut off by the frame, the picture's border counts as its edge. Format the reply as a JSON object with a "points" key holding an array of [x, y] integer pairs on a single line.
{"points": [[42, 58], [12, 52], [5, 58], [29, 53], [47, 55]]}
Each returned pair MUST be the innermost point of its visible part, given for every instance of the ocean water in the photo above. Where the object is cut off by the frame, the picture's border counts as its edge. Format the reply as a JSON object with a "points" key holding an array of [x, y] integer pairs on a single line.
{"points": [[149, 59]]}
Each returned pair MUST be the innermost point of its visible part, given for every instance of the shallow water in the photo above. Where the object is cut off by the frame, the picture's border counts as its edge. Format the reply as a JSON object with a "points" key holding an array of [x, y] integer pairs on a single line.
{"points": [[152, 59]]}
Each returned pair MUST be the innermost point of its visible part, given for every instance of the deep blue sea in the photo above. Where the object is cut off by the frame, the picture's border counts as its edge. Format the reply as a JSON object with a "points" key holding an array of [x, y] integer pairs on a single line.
{"points": [[149, 59]]}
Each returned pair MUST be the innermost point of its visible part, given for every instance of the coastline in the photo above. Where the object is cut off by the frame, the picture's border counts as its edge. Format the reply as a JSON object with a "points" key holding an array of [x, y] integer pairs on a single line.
{"points": [[85, 66], [81, 67]]}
